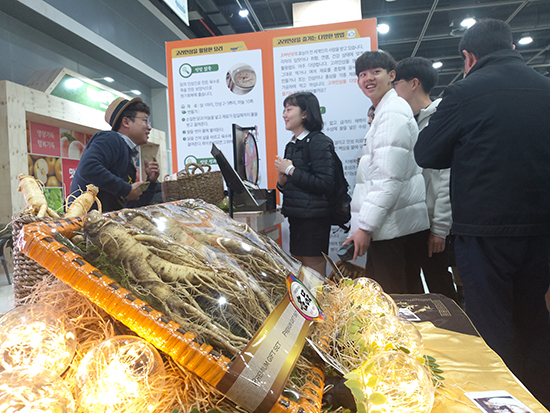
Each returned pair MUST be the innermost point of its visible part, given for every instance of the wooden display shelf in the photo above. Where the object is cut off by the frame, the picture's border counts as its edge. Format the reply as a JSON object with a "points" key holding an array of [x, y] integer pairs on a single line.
{"points": [[19, 104]]}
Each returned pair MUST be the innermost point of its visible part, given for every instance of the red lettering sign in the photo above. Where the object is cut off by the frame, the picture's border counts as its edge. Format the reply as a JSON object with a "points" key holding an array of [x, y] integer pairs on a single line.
{"points": [[44, 139], [69, 169]]}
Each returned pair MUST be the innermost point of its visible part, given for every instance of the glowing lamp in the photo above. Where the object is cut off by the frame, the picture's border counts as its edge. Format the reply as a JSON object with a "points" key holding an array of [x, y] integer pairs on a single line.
{"points": [[380, 305], [393, 333], [123, 374], [367, 284], [21, 392], [369, 300], [38, 338], [392, 382]]}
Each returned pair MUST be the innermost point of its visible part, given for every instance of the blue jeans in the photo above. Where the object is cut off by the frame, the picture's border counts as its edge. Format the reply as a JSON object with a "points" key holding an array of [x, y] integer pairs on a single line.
{"points": [[505, 280]]}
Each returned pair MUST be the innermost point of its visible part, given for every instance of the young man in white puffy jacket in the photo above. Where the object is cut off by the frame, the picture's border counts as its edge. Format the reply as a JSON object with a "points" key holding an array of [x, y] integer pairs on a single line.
{"points": [[414, 79], [389, 213]]}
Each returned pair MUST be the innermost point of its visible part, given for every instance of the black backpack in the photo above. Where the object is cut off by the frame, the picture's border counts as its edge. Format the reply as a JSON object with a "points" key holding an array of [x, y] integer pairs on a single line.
{"points": [[339, 199]]}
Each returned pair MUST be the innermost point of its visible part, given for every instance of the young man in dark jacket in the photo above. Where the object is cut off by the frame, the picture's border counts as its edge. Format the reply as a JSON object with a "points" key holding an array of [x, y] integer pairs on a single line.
{"points": [[108, 160], [493, 130]]}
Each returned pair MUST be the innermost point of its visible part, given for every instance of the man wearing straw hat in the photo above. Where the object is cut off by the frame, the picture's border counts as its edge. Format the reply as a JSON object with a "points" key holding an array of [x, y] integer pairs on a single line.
{"points": [[108, 161]]}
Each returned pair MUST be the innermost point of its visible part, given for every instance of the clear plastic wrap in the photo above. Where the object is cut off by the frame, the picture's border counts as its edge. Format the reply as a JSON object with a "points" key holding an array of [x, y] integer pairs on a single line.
{"points": [[199, 286]]}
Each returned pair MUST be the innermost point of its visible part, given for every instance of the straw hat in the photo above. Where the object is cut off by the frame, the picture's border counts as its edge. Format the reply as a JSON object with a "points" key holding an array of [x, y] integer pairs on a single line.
{"points": [[116, 108]]}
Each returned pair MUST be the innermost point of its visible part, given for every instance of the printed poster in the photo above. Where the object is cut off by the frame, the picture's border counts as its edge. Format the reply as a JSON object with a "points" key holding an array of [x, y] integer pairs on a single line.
{"points": [[323, 63], [206, 97], [211, 92], [53, 155]]}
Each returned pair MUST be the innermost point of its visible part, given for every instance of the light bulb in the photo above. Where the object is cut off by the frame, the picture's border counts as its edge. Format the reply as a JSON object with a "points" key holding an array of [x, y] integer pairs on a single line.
{"points": [[468, 22], [383, 28], [73, 83], [123, 374], [525, 40], [24, 392], [393, 382], [36, 337]]}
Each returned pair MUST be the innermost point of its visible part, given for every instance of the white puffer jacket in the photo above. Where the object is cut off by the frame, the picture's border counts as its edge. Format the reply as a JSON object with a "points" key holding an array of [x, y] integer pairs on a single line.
{"points": [[437, 186], [389, 196]]}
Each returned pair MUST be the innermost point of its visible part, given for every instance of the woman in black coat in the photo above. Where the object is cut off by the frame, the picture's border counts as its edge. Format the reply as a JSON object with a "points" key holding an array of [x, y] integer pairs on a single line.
{"points": [[306, 179]]}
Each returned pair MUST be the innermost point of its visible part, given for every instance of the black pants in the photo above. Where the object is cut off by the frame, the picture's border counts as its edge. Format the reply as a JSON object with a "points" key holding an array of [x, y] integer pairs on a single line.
{"points": [[394, 263], [505, 280], [436, 272]]}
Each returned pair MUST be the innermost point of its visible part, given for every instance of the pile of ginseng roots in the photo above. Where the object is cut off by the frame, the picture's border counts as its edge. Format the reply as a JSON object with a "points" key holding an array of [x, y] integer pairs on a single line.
{"points": [[212, 275]]}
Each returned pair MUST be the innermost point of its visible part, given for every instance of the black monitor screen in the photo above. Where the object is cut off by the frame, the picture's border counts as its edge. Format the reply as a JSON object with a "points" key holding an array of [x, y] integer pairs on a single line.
{"points": [[232, 179]]}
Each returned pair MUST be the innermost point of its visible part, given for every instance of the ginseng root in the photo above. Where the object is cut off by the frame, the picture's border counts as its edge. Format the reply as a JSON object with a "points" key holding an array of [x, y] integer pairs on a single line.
{"points": [[32, 191], [212, 301], [81, 205]]}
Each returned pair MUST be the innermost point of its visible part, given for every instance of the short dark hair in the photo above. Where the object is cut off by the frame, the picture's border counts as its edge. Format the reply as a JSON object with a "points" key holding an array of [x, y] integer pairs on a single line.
{"points": [[485, 37], [131, 112], [419, 68], [374, 59], [309, 103]]}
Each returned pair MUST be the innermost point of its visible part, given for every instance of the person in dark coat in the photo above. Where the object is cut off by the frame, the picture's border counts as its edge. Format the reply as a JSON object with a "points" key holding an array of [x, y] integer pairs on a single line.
{"points": [[108, 161], [493, 130], [306, 179]]}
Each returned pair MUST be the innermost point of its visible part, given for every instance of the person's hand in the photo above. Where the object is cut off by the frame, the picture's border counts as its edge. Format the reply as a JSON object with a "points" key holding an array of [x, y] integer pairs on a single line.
{"points": [[152, 169], [281, 164], [136, 191], [361, 239], [435, 244], [281, 178]]}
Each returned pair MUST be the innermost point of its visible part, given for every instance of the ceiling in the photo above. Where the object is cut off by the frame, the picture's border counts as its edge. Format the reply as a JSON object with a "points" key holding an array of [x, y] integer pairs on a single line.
{"points": [[417, 27]]}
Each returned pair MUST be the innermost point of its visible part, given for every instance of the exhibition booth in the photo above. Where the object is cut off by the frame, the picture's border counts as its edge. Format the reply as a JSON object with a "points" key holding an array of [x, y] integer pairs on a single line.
{"points": [[192, 304]]}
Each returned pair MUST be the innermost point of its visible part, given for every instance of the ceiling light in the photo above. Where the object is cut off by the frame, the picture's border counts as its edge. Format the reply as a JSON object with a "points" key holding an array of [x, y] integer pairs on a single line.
{"points": [[135, 92], [383, 28], [525, 40], [243, 13], [73, 83], [106, 79], [468, 22], [437, 65]]}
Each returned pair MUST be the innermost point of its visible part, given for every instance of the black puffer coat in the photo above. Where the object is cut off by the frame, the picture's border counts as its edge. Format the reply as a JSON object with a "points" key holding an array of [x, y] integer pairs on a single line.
{"points": [[493, 130], [306, 192]]}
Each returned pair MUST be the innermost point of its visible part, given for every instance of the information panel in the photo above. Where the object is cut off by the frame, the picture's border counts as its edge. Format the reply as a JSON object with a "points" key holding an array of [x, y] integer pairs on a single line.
{"points": [[244, 79]]}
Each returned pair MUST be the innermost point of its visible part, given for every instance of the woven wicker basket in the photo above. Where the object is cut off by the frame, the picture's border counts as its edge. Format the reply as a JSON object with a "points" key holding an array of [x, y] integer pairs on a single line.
{"points": [[205, 185], [26, 272], [350, 270]]}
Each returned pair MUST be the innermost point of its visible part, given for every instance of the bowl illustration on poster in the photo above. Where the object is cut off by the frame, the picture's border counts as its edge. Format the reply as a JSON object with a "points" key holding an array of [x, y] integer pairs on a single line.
{"points": [[241, 79]]}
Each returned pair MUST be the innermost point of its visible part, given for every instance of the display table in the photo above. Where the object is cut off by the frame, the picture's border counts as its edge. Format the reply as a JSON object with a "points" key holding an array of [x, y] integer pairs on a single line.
{"points": [[469, 365], [262, 222]]}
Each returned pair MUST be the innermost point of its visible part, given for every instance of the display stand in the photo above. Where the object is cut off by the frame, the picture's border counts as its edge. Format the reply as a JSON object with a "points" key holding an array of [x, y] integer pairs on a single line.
{"points": [[264, 222], [19, 104]]}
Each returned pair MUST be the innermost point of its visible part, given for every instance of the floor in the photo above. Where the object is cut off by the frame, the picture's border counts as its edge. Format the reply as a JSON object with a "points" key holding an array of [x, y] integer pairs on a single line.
{"points": [[6, 293]]}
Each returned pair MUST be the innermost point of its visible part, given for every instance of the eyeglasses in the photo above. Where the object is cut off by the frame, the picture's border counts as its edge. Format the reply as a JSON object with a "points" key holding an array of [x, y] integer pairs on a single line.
{"points": [[142, 117], [396, 82]]}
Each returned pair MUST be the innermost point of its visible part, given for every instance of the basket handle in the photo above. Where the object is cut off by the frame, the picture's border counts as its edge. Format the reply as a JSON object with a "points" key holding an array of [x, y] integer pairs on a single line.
{"points": [[192, 167]]}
